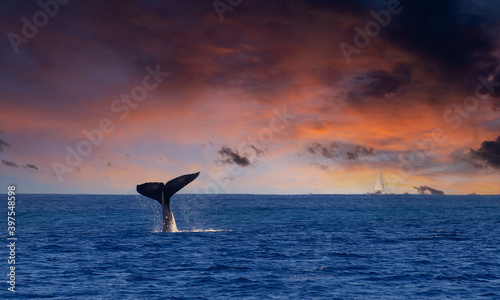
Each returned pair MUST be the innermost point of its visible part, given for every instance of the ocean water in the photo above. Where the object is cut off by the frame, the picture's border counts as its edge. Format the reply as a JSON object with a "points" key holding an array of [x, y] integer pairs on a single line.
{"points": [[256, 247]]}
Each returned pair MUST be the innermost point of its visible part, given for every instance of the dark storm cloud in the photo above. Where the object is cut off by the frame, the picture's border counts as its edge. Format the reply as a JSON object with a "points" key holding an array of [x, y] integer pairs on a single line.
{"points": [[332, 150], [455, 35], [10, 163], [230, 156], [31, 167], [428, 190], [3, 145], [454, 41], [448, 33], [449, 42], [488, 153], [359, 150], [327, 151]]}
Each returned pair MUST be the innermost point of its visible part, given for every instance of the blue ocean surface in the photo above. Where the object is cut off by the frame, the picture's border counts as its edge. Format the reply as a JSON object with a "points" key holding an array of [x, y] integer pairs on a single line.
{"points": [[256, 247]]}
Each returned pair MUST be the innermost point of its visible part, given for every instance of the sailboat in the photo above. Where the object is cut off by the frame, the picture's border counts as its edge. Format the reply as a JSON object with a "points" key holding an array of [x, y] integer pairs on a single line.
{"points": [[379, 183]]}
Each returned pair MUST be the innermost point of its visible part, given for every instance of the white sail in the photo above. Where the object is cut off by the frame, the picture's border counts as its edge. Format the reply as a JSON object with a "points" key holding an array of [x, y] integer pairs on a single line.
{"points": [[379, 182]]}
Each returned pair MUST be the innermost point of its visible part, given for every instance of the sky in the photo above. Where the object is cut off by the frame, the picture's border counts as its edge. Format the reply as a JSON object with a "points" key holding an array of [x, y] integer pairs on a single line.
{"points": [[286, 97]]}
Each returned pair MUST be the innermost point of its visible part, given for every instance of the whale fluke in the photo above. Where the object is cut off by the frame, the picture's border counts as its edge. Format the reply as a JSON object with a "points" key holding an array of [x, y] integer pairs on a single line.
{"points": [[162, 193]]}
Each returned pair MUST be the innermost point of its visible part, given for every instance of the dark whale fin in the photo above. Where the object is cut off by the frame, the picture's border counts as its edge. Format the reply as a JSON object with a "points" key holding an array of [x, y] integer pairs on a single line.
{"points": [[153, 190], [176, 184]]}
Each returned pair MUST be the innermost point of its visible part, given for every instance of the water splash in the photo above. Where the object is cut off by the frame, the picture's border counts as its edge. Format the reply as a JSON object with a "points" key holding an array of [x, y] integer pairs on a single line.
{"points": [[189, 208], [152, 208]]}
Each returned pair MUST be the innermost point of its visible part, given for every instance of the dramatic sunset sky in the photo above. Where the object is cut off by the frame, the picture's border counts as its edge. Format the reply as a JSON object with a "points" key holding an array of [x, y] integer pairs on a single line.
{"points": [[261, 96]]}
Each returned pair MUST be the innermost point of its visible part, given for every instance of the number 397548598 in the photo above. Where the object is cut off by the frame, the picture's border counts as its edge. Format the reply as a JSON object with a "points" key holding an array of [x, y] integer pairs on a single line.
{"points": [[11, 209]]}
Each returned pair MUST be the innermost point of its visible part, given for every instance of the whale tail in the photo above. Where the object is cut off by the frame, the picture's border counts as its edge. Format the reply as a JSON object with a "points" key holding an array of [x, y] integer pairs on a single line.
{"points": [[154, 190]]}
